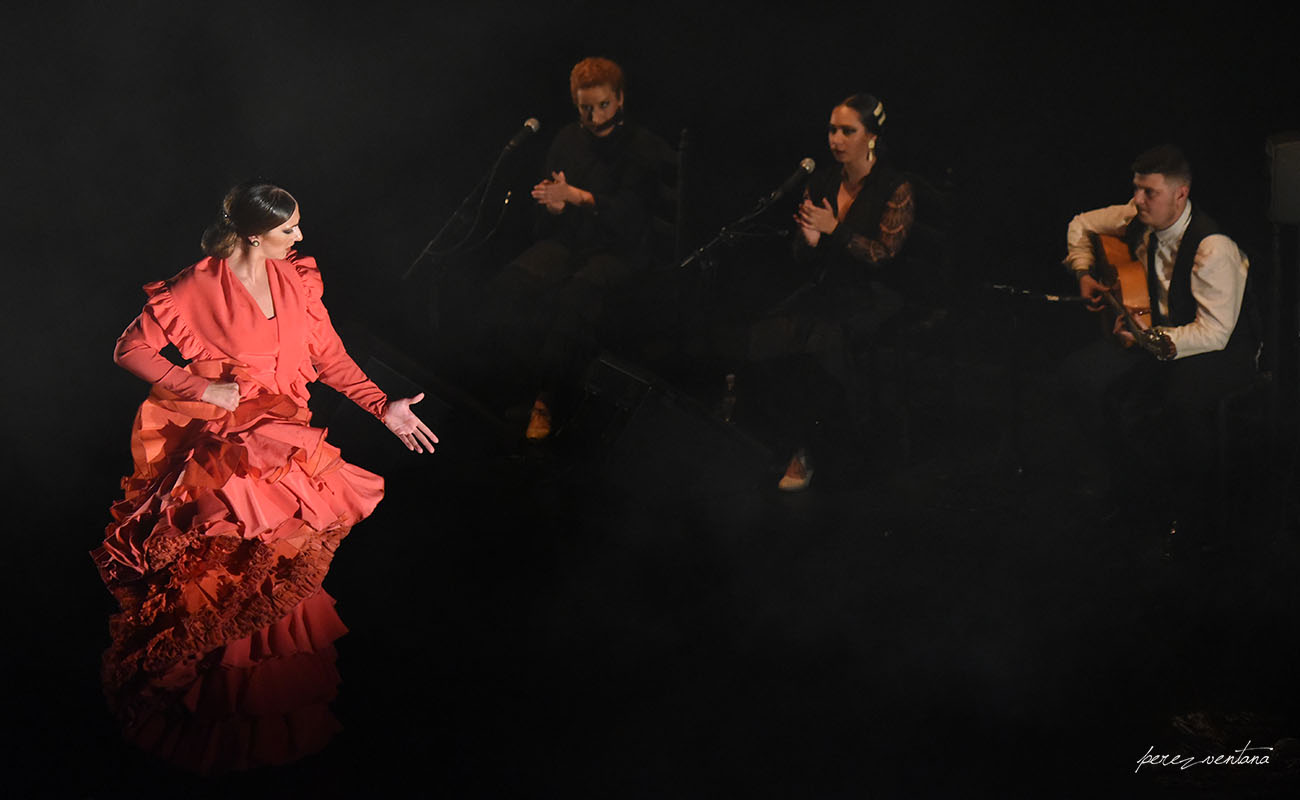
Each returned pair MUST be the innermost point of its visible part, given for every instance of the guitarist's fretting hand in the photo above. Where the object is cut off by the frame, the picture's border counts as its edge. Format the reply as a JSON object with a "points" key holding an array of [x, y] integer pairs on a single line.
{"points": [[1122, 333], [1094, 290], [1157, 342]]}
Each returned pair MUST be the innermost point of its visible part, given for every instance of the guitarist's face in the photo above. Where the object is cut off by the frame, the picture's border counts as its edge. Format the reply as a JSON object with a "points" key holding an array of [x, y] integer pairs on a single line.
{"points": [[1160, 201]]}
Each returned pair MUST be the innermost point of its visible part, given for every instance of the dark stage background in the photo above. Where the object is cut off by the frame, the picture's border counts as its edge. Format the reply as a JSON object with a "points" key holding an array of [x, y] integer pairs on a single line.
{"points": [[125, 122]]}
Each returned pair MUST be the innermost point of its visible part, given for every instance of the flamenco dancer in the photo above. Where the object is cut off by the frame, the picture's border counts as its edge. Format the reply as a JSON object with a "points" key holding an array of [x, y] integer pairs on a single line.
{"points": [[222, 654]]}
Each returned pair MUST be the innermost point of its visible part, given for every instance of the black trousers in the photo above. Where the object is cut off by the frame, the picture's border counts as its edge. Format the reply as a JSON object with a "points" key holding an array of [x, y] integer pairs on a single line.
{"points": [[797, 352], [541, 315], [1155, 420]]}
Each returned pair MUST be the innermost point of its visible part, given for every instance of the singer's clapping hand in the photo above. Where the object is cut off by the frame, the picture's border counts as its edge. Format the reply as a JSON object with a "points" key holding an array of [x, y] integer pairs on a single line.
{"points": [[810, 235], [819, 218], [554, 193]]}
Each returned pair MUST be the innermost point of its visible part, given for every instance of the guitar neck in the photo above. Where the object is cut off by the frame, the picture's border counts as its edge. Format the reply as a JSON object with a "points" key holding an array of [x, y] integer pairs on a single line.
{"points": [[1140, 335]]}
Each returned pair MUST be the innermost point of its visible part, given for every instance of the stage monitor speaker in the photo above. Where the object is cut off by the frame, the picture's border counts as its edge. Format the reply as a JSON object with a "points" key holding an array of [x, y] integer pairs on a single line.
{"points": [[655, 441], [1284, 175]]}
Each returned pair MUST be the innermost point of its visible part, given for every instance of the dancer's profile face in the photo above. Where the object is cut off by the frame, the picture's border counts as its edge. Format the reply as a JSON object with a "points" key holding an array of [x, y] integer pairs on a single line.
{"points": [[277, 242], [597, 106]]}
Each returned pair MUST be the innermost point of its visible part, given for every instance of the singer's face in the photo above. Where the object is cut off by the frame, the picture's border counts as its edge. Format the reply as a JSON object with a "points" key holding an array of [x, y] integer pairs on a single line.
{"points": [[277, 242], [597, 105], [848, 138]]}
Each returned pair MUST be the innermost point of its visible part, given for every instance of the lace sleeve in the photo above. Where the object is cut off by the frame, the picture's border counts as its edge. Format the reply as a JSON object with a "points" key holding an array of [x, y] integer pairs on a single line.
{"points": [[895, 224]]}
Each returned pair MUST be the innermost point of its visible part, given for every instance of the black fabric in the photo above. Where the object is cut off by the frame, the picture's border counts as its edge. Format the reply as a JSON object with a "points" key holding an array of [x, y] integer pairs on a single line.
{"points": [[841, 296], [544, 308], [798, 350], [831, 260], [540, 318], [1182, 303], [1153, 246], [621, 172], [1154, 420]]}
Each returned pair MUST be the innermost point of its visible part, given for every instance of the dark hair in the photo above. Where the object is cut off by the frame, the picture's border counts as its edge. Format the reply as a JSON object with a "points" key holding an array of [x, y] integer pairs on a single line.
{"points": [[594, 71], [249, 209], [870, 110], [1167, 160]]}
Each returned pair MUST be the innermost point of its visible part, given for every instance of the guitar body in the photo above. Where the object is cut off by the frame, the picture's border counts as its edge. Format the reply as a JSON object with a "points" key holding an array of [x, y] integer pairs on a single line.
{"points": [[1115, 267]]}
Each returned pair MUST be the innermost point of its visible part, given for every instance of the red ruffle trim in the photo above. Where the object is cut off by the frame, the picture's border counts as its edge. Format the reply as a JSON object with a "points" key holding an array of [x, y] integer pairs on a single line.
{"points": [[266, 701], [162, 305], [221, 656]]}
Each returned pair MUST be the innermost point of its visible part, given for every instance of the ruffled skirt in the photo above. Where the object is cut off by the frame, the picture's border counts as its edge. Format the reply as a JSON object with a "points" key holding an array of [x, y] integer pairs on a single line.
{"points": [[222, 655]]}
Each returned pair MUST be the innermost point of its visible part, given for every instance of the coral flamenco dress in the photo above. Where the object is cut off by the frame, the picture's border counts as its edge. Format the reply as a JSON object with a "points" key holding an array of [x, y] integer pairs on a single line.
{"points": [[222, 654]]}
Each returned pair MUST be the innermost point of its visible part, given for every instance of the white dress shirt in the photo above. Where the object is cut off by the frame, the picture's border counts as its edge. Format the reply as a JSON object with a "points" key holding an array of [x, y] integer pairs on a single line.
{"points": [[1218, 273]]}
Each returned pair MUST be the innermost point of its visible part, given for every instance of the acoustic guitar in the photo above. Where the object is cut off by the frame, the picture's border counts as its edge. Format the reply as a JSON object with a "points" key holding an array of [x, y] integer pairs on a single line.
{"points": [[1127, 298]]}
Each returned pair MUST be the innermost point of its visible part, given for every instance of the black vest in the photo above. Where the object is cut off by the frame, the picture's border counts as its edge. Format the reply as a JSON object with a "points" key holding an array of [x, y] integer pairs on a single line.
{"points": [[1182, 304]]}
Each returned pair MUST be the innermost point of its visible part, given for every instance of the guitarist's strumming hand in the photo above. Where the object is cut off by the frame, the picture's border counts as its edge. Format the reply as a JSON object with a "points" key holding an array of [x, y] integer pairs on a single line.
{"points": [[1094, 290]]}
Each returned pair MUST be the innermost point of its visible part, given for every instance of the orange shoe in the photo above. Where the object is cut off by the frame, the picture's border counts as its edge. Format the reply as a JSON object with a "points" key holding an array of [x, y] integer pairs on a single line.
{"points": [[798, 473], [539, 422]]}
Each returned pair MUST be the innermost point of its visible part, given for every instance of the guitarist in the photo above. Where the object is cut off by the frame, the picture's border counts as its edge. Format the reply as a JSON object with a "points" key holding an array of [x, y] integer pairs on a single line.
{"points": [[1159, 399]]}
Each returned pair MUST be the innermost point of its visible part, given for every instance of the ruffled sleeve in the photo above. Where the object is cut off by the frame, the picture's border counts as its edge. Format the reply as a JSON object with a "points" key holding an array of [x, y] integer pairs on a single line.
{"points": [[334, 367], [139, 347]]}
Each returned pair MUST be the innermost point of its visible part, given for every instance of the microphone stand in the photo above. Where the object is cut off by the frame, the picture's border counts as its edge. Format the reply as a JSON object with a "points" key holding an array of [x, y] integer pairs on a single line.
{"points": [[1011, 448], [1043, 296], [728, 234], [480, 191], [437, 257]]}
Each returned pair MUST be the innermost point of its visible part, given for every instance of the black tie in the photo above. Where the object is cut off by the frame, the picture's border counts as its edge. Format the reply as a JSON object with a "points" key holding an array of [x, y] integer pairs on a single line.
{"points": [[1153, 286]]}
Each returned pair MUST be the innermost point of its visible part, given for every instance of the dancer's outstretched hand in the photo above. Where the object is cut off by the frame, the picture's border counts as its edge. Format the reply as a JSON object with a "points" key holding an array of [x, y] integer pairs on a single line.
{"points": [[401, 420]]}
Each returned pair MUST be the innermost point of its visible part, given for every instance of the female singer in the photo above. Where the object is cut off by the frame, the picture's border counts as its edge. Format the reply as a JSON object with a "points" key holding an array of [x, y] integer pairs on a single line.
{"points": [[851, 225]]}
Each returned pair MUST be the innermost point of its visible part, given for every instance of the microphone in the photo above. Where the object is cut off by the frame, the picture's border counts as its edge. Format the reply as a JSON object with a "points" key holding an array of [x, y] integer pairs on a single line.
{"points": [[614, 119], [805, 169], [531, 126]]}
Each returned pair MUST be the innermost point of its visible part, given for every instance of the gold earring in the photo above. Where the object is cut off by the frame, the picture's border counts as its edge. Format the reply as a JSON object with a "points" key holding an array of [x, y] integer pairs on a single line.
{"points": [[254, 242]]}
